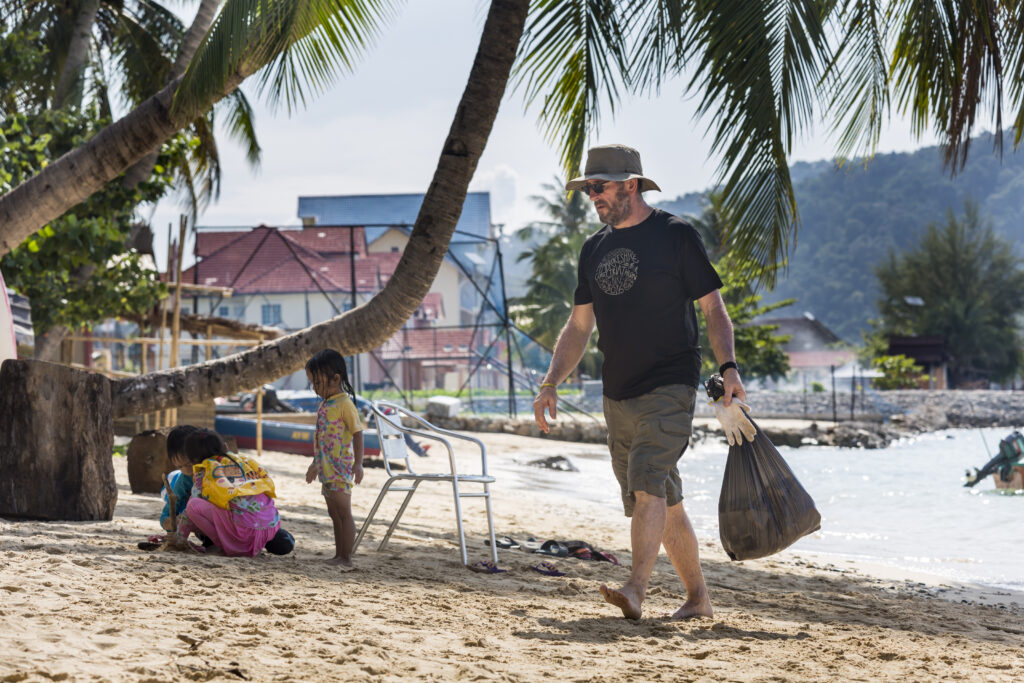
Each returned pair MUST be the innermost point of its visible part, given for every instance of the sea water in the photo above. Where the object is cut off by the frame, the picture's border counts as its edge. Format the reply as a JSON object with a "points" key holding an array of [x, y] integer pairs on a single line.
{"points": [[904, 506]]}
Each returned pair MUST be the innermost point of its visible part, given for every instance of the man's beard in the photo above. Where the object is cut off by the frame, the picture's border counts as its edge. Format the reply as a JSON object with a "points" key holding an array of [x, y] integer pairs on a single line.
{"points": [[617, 207]]}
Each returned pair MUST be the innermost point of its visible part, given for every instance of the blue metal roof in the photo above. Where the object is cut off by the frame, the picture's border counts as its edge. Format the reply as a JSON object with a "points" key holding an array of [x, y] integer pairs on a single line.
{"points": [[370, 210]]}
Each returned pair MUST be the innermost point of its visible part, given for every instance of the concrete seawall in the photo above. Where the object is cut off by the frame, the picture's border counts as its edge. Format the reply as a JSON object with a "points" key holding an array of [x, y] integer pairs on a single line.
{"points": [[795, 419]]}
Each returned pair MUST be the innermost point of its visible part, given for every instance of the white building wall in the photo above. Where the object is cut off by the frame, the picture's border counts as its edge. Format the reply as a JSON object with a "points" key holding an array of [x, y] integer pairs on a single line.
{"points": [[446, 283]]}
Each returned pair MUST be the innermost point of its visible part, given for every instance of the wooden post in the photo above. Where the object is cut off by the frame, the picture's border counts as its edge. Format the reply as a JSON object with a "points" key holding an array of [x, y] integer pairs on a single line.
{"points": [[259, 422], [209, 337], [144, 366], [259, 417], [176, 324], [164, 414]]}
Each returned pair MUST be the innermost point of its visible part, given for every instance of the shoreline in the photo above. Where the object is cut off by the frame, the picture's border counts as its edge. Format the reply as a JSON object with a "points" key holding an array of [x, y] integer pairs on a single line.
{"points": [[78, 601]]}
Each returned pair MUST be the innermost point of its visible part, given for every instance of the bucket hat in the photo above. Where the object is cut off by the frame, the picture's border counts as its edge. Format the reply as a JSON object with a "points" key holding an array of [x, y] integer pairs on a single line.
{"points": [[613, 162]]}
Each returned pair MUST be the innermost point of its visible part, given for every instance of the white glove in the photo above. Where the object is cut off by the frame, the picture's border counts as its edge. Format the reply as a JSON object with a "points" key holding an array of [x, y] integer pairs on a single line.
{"points": [[734, 421]]}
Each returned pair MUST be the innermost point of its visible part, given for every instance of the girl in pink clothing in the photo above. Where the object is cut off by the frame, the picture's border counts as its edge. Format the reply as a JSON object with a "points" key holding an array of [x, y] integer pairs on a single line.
{"points": [[248, 525], [338, 447]]}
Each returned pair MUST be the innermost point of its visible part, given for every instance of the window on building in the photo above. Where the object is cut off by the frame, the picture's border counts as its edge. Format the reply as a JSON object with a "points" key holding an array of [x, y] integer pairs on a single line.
{"points": [[271, 314], [224, 311], [394, 250]]}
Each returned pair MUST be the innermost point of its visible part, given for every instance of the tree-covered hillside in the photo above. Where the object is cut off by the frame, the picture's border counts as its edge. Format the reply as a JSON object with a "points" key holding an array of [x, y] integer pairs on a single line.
{"points": [[852, 216]]}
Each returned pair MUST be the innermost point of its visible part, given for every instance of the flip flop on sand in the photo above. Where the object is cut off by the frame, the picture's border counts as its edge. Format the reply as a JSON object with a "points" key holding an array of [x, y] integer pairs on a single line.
{"points": [[505, 543], [485, 567], [553, 548], [547, 569], [603, 556]]}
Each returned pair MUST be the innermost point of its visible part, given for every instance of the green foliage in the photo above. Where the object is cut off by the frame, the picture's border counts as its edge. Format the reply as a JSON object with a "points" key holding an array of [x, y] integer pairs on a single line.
{"points": [[852, 217], [817, 387], [547, 303], [898, 372], [758, 349], [970, 284], [76, 270]]}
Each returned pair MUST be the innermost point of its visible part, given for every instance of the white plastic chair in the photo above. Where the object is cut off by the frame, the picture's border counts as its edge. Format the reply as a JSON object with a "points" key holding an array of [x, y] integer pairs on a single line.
{"points": [[393, 449]]}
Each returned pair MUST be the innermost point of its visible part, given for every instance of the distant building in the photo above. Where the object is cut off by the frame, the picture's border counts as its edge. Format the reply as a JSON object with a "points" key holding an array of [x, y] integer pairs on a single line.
{"points": [[928, 352], [346, 250], [812, 348]]}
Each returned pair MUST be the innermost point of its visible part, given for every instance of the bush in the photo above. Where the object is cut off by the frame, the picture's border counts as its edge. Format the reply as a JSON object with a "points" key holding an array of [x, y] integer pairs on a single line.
{"points": [[817, 387], [898, 372]]}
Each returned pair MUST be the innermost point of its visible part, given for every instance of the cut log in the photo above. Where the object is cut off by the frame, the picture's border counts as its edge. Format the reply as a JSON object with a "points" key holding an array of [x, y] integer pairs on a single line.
{"points": [[148, 461], [56, 443]]}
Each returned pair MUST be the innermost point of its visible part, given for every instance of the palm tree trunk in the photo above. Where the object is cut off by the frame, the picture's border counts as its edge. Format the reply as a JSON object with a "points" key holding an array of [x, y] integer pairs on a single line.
{"points": [[372, 323], [78, 51], [71, 179], [189, 44]]}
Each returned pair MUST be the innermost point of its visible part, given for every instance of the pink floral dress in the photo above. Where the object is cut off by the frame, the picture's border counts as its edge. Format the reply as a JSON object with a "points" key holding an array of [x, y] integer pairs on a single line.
{"points": [[337, 421]]}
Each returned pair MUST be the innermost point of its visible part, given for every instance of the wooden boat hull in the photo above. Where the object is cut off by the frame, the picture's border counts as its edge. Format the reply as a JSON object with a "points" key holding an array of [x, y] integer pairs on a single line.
{"points": [[1016, 479], [286, 437]]}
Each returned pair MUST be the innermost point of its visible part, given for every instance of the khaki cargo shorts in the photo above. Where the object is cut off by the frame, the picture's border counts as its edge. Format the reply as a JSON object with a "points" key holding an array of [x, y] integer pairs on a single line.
{"points": [[646, 436]]}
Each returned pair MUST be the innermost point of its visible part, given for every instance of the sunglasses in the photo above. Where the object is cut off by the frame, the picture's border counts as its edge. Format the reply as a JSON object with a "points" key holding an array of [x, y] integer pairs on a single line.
{"points": [[594, 188]]}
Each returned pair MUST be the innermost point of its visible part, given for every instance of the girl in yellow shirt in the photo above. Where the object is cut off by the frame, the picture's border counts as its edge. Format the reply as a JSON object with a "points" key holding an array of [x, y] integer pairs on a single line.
{"points": [[338, 447]]}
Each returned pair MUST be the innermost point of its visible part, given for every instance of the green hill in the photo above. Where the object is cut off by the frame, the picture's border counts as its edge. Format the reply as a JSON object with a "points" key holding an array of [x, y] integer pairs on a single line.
{"points": [[851, 217]]}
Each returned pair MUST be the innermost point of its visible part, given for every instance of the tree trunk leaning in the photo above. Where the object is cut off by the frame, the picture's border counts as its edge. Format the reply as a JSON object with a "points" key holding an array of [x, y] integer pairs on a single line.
{"points": [[56, 443], [371, 324]]}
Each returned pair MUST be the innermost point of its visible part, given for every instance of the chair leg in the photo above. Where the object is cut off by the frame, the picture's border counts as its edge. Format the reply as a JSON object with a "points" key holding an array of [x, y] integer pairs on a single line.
{"points": [[458, 520], [398, 516], [373, 511], [490, 524]]}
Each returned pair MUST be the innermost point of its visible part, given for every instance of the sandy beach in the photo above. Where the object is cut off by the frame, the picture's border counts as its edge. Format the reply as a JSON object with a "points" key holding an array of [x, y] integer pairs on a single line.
{"points": [[79, 601]]}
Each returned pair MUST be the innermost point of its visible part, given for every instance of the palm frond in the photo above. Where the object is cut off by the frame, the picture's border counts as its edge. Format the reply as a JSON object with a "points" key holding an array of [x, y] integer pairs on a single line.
{"points": [[143, 41], [241, 124], [757, 72], [858, 76], [948, 62], [299, 44], [573, 56]]}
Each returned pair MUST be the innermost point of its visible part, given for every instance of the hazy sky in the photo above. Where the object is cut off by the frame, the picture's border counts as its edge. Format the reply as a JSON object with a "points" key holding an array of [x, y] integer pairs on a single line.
{"points": [[380, 130]]}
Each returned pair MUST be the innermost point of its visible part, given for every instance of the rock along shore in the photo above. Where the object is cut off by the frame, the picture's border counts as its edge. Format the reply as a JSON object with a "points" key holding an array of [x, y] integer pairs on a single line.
{"points": [[872, 419]]}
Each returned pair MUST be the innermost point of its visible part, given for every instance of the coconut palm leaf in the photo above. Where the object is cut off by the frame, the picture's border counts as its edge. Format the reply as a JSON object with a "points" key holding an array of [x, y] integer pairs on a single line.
{"points": [[858, 76], [572, 57], [757, 69], [949, 61], [303, 43], [240, 124]]}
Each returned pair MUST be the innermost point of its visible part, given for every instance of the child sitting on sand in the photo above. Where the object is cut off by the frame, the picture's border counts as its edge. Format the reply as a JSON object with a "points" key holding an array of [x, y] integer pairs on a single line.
{"points": [[337, 449], [231, 502], [179, 479]]}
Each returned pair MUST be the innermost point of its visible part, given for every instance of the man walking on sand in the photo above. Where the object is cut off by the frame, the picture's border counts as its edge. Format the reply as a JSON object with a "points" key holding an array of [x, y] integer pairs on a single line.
{"points": [[638, 278]]}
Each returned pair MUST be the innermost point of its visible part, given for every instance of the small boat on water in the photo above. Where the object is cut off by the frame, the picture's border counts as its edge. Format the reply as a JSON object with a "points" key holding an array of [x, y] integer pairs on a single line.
{"points": [[1006, 468], [292, 436]]}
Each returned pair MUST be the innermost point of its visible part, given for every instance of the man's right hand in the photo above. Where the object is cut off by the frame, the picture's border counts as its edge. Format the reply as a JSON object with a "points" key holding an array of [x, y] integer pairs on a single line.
{"points": [[546, 399]]}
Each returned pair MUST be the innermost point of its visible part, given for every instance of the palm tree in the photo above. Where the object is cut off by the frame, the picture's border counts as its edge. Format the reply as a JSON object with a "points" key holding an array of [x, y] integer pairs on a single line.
{"points": [[146, 45], [554, 261], [369, 325], [763, 71]]}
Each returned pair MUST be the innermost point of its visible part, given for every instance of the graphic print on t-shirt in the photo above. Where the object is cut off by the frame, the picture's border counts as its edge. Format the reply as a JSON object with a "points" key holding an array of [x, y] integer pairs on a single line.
{"points": [[617, 271]]}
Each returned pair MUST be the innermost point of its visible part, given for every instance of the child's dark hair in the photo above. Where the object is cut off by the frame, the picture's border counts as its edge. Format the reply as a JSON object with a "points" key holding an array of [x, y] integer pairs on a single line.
{"points": [[176, 438], [202, 444], [329, 362]]}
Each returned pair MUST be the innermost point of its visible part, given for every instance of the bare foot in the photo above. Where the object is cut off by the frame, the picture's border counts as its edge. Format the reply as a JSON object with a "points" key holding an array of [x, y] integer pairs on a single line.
{"points": [[341, 563], [693, 608], [625, 599]]}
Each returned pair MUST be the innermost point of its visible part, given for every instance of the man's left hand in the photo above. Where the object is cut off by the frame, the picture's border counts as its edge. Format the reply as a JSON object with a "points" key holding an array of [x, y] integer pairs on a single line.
{"points": [[733, 387]]}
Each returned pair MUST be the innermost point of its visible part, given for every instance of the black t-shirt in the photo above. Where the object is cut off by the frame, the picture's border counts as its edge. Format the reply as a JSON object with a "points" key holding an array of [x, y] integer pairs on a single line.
{"points": [[642, 281]]}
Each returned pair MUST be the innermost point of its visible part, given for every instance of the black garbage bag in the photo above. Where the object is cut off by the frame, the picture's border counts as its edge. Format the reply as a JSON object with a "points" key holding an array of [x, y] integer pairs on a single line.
{"points": [[762, 508]]}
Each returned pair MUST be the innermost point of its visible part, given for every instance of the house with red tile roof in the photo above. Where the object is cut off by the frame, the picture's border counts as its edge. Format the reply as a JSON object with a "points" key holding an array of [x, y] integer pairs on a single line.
{"points": [[299, 276]]}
